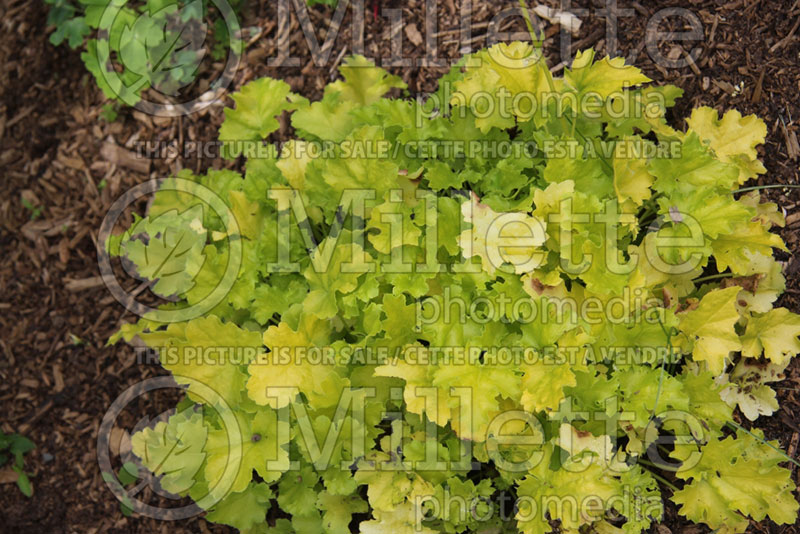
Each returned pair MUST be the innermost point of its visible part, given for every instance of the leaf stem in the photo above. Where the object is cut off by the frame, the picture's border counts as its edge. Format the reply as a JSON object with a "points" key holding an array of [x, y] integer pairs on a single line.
{"points": [[658, 477], [527, 16], [770, 186], [712, 277], [663, 362]]}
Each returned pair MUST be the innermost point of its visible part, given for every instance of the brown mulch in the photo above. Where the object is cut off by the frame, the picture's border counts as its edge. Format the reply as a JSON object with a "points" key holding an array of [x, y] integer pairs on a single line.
{"points": [[57, 377]]}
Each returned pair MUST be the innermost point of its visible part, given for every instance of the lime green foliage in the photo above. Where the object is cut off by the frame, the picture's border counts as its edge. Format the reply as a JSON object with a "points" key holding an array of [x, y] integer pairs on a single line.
{"points": [[356, 241], [159, 43], [254, 118], [13, 448], [735, 474]]}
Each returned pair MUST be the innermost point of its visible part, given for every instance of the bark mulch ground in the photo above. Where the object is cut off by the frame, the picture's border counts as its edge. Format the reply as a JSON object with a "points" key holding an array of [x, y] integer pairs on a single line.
{"points": [[59, 156]]}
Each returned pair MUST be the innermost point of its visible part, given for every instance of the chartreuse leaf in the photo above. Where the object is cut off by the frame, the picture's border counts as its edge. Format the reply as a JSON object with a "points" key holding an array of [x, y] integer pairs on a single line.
{"points": [[766, 212], [642, 396], [585, 170], [632, 180], [207, 353], [255, 117], [338, 511], [733, 138], [245, 509], [297, 494], [648, 502], [404, 519], [387, 489], [691, 165], [309, 524], [328, 119], [295, 158], [335, 269], [417, 384], [173, 251], [499, 238], [329, 179], [333, 117], [731, 479], [440, 176], [364, 83], [715, 213], [253, 445], [601, 78], [546, 375], [174, 450], [707, 399], [493, 81], [641, 110], [545, 491], [479, 389], [774, 333], [285, 364], [734, 250], [276, 296], [393, 222], [464, 504], [710, 328]]}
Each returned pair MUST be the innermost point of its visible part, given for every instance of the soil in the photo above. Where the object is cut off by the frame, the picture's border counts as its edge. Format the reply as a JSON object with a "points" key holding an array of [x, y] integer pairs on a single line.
{"points": [[58, 377]]}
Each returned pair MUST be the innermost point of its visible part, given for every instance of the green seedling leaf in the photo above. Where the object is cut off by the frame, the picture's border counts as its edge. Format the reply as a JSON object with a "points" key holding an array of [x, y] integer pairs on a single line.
{"points": [[23, 482]]}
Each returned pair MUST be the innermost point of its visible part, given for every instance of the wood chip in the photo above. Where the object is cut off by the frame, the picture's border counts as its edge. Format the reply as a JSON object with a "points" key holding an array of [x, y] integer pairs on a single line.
{"points": [[7, 476], [83, 284], [119, 442], [122, 157], [793, 444], [777, 46], [725, 86], [58, 378], [21, 115], [413, 34], [713, 29], [756, 98], [72, 163], [790, 138], [692, 64], [33, 230], [795, 146]]}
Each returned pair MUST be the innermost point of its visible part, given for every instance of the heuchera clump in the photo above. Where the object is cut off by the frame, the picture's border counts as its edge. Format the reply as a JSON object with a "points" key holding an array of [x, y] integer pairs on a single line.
{"points": [[526, 300]]}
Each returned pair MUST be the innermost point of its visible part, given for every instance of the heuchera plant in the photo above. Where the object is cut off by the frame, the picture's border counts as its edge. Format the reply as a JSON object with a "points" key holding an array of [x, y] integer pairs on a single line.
{"points": [[157, 43], [407, 343]]}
